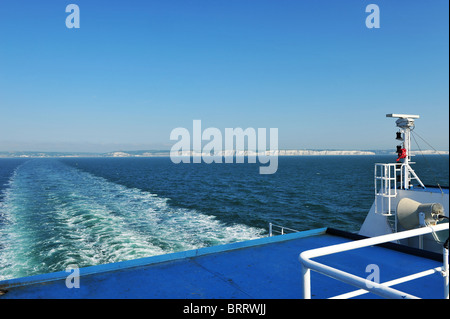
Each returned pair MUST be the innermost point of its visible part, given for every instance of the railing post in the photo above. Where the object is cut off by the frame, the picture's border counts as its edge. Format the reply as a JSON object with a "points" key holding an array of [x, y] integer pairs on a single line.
{"points": [[445, 272], [306, 274]]}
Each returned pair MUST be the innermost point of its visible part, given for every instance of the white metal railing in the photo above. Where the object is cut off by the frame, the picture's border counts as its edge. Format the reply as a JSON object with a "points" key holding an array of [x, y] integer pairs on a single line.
{"points": [[386, 184], [385, 187], [384, 289], [280, 229]]}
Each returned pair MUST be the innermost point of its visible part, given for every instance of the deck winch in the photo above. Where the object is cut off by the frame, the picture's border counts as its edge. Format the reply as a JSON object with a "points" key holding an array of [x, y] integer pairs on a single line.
{"points": [[412, 214]]}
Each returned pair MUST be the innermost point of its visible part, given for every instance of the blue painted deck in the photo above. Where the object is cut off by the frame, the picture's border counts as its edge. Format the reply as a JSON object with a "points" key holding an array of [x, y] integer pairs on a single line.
{"points": [[266, 268]]}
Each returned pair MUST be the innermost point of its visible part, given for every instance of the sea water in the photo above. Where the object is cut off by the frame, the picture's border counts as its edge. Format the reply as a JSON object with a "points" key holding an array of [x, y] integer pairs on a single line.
{"points": [[56, 212]]}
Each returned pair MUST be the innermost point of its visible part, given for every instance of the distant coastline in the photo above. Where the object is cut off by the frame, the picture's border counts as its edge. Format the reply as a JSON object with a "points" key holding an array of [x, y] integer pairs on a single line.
{"points": [[166, 153]]}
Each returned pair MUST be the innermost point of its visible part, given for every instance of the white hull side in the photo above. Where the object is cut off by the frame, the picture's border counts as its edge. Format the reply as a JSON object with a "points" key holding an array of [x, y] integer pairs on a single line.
{"points": [[377, 224]]}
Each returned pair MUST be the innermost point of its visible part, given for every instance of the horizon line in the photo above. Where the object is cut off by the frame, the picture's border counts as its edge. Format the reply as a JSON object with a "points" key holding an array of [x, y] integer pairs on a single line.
{"points": [[226, 153]]}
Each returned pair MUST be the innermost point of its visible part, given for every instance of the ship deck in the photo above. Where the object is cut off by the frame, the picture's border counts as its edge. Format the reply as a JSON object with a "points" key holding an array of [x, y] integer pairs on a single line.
{"points": [[266, 268]]}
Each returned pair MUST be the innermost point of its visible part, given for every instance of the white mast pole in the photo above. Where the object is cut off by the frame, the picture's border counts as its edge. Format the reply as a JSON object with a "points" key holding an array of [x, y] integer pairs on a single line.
{"points": [[407, 146], [405, 122]]}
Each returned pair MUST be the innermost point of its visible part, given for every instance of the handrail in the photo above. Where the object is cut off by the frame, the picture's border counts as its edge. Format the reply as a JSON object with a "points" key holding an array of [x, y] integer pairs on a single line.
{"points": [[362, 283], [281, 231], [385, 187]]}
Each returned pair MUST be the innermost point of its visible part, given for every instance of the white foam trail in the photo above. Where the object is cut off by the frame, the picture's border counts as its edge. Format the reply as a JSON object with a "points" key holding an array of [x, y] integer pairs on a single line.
{"points": [[58, 215]]}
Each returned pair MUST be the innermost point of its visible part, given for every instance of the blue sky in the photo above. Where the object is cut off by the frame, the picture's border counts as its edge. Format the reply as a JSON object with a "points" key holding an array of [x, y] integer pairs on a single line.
{"points": [[135, 70]]}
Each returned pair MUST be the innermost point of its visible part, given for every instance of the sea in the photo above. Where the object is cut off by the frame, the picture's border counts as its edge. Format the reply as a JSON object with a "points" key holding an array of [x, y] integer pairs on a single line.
{"points": [[56, 212]]}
